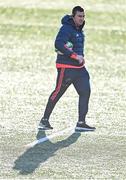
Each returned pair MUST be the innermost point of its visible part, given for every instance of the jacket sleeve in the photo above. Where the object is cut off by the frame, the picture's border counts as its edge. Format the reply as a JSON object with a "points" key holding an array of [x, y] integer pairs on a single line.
{"points": [[62, 38]]}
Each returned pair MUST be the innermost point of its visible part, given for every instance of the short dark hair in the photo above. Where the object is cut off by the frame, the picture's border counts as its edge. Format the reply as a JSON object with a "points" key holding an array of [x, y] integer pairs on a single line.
{"points": [[75, 9]]}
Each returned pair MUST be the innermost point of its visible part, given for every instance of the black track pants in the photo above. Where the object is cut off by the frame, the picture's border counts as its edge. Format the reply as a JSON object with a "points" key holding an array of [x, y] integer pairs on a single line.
{"points": [[80, 79]]}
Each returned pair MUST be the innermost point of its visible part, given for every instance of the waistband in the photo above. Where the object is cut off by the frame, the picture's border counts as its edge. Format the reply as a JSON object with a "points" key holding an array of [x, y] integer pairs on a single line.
{"points": [[68, 66]]}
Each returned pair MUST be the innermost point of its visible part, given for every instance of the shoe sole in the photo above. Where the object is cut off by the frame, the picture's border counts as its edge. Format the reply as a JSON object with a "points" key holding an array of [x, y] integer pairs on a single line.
{"points": [[44, 128], [83, 129]]}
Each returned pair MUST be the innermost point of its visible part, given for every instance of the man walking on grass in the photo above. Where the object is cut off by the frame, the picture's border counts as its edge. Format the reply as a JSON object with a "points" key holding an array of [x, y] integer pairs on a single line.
{"points": [[70, 62]]}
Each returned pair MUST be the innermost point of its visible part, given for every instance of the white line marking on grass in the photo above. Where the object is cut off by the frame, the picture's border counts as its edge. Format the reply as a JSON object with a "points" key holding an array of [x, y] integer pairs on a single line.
{"points": [[46, 138], [106, 28], [98, 28]]}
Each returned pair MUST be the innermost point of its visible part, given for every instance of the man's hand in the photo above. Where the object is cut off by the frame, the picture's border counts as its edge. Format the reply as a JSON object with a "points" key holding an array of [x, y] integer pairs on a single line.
{"points": [[80, 59]]}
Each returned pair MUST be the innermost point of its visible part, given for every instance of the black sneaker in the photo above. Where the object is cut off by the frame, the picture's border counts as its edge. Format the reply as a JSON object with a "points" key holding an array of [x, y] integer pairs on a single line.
{"points": [[81, 126], [44, 125]]}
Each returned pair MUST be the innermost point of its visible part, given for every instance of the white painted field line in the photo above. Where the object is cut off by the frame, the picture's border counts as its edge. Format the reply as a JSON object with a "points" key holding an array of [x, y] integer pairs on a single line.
{"points": [[27, 24], [59, 133]]}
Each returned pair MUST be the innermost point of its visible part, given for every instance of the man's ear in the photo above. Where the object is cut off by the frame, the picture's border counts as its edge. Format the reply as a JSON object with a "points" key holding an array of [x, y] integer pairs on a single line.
{"points": [[73, 15]]}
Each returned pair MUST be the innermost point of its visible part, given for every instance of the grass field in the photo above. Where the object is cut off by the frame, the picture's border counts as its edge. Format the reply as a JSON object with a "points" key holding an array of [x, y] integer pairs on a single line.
{"points": [[27, 77]]}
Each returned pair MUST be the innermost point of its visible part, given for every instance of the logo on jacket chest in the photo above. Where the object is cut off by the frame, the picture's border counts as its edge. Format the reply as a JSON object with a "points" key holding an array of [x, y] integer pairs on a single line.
{"points": [[78, 37]]}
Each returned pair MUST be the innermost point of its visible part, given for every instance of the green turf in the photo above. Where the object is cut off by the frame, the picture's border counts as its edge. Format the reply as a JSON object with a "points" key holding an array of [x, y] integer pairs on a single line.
{"points": [[27, 77]]}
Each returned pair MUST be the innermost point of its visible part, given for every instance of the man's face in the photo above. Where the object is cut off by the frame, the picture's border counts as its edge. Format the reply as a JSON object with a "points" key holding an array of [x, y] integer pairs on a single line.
{"points": [[79, 18]]}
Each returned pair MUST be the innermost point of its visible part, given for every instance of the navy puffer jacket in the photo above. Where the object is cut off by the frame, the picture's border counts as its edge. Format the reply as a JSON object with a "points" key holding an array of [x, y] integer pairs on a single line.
{"points": [[69, 33]]}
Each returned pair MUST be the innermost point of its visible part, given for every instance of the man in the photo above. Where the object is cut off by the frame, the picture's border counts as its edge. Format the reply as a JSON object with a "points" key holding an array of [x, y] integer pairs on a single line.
{"points": [[70, 62]]}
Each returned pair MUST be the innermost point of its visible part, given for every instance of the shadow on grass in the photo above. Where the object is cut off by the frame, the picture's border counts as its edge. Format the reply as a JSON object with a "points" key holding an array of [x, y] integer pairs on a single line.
{"points": [[33, 157]]}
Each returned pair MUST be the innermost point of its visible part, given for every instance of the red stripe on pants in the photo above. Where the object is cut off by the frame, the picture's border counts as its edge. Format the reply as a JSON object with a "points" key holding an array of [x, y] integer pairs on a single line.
{"points": [[58, 85]]}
